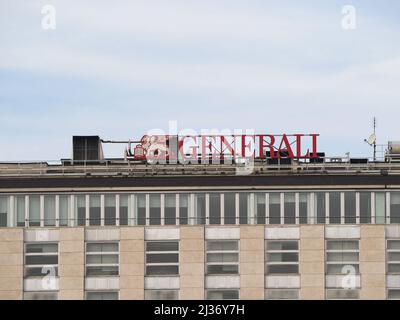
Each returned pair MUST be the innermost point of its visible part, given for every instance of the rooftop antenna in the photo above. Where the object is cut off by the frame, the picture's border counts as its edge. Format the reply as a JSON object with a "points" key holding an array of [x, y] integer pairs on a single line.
{"points": [[372, 139]]}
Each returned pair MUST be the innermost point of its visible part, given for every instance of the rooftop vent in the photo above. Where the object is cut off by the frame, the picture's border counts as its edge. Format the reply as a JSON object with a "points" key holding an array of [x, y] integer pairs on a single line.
{"points": [[87, 149]]}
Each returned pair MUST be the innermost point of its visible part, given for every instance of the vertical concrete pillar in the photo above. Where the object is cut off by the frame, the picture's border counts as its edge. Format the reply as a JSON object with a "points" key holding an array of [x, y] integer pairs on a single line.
{"points": [[252, 279], [72, 264], [11, 263], [132, 263], [372, 262], [191, 262], [312, 262]]}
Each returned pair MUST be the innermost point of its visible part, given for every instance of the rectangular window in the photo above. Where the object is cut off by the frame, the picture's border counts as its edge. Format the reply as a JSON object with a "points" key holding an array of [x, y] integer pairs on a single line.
{"points": [[282, 257], [110, 211], [320, 207], [289, 208], [395, 207], [215, 208], [229, 208], [184, 209], [394, 294], [274, 208], [64, 207], [49, 210], [94, 210], [222, 256], [259, 199], [304, 207], [40, 295], [342, 257], [101, 295], [80, 210], [342, 294], [334, 208], [380, 207], [34, 211], [222, 294], [170, 209], [124, 200], [161, 294], [141, 209], [155, 209], [41, 259], [244, 209], [349, 207], [3, 211], [162, 258], [393, 256], [102, 259], [282, 294], [365, 207], [20, 210]]}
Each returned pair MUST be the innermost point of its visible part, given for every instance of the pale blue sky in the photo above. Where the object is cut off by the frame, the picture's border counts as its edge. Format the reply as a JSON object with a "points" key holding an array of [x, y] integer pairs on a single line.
{"points": [[121, 68]]}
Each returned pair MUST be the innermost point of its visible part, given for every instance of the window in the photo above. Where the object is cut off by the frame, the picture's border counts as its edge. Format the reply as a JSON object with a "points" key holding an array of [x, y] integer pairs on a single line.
{"points": [[274, 208], [49, 210], [41, 295], [215, 208], [229, 208], [184, 210], [20, 210], [342, 256], [334, 208], [80, 210], [155, 209], [64, 203], [34, 211], [394, 294], [282, 294], [244, 208], [41, 259], [141, 209], [124, 200], [170, 209], [102, 259], [365, 207], [161, 294], [393, 256], [260, 207], [101, 295], [282, 257], [222, 257], [110, 212], [3, 211], [222, 294], [349, 207], [395, 207], [304, 207], [94, 211], [340, 294], [380, 207], [320, 206], [290, 208], [162, 258]]}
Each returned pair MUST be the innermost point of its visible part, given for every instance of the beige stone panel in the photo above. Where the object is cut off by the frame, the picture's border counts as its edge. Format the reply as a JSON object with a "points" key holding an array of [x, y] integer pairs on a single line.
{"points": [[11, 247], [191, 269], [72, 234], [131, 282], [192, 245], [252, 256], [372, 244], [11, 259], [312, 293], [195, 232], [372, 255], [373, 280], [191, 294], [131, 294], [252, 268], [312, 268], [372, 267], [72, 258], [191, 257], [252, 232], [71, 283], [72, 246], [71, 295], [71, 270], [312, 232], [312, 244], [136, 269], [132, 246], [312, 256], [12, 283], [312, 280], [252, 293], [252, 281], [194, 281], [132, 233], [13, 271], [11, 295], [11, 234], [252, 245], [372, 231], [373, 293], [131, 257]]}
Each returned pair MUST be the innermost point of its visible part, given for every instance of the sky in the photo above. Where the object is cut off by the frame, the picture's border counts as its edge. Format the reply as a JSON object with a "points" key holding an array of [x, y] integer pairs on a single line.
{"points": [[121, 68]]}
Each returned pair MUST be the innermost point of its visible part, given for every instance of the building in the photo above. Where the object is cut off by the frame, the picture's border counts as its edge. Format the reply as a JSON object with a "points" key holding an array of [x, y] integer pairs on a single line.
{"points": [[95, 228]]}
